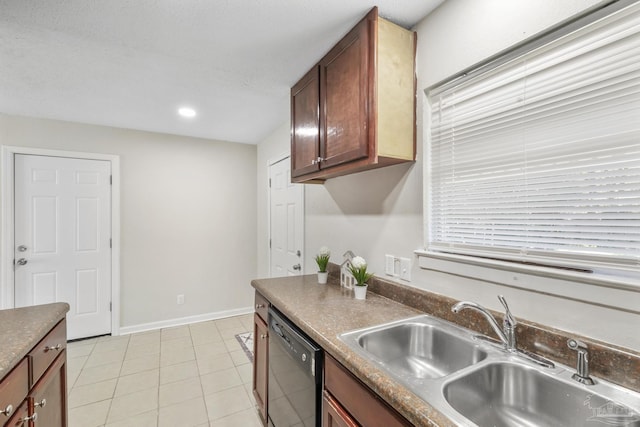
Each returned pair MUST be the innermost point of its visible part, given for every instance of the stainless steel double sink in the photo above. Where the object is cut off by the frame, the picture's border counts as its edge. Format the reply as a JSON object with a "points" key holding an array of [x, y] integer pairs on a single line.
{"points": [[475, 382]]}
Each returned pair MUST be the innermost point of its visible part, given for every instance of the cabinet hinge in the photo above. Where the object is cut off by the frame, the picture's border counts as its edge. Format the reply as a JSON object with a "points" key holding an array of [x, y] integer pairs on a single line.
{"points": [[110, 243], [110, 179], [110, 306], [269, 243], [269, 182]]}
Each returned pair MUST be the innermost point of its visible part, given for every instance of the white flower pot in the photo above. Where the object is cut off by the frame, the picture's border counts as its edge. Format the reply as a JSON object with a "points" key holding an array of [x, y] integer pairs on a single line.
{"points": [[360, 291], [322, 277]]}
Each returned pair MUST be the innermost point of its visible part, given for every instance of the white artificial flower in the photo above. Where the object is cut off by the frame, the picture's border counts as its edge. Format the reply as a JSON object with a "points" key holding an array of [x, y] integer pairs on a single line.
{"points": [[324, 251], [358, 262]]}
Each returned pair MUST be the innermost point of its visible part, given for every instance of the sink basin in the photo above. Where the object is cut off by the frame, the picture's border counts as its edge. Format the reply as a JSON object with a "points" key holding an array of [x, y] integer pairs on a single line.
{"points": [[418, 349], [508, 394], [475, 382]]}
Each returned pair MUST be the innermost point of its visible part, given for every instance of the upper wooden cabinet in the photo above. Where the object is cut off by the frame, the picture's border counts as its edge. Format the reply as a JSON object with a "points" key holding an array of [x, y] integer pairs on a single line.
{"points": [[355, 109]]}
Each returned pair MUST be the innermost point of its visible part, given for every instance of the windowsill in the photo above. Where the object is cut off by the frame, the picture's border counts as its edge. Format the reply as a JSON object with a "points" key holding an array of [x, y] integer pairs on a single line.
{"points": [[619, 292]]}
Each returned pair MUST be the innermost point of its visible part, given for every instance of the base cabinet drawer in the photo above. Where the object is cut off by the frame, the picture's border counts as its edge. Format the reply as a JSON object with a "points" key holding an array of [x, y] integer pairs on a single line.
{"points": [[46, 351], [363, 405], [334, 415], [262, 307]]}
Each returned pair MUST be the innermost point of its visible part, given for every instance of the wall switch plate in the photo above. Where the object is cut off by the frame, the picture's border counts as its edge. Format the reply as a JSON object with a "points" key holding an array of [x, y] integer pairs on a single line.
{"points": [[389, 264], [405, 269], [396, 267], [180, 299]]}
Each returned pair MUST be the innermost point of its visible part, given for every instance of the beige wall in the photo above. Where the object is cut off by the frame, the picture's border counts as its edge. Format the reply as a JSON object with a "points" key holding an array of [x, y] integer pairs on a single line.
{"points": [[381, 212], [188, 215]]}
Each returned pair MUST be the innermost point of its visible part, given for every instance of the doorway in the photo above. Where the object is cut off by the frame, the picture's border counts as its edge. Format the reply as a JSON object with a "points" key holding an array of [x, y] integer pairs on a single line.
{"points": [[59, 237], [286, 221]]}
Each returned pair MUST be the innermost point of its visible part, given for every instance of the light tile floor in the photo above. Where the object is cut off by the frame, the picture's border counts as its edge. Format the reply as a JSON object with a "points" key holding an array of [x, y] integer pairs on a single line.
{"points": [[194, 375]]}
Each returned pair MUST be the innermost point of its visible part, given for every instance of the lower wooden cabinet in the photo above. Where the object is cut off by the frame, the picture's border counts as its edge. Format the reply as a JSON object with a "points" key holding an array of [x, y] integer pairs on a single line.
{"points": [[36, 389], [334, 415], [49, 395], [352, 403], [14, 388], [260, 364]]}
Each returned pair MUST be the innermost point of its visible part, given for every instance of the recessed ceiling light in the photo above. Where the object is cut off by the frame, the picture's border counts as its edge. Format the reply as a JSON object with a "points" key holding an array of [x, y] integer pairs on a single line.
{"points": [[187, 112]]}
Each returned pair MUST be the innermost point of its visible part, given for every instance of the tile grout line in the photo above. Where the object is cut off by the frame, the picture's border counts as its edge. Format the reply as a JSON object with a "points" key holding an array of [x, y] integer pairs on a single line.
{"points": [[221, 340]]}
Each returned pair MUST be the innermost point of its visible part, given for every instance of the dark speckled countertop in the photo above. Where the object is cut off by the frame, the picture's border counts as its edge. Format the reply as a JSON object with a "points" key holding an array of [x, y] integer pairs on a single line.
{"points": [[324, 311], [22, 328]]}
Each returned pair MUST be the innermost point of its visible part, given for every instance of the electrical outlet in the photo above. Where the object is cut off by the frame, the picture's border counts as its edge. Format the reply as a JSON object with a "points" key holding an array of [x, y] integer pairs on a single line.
{"points": [[180, 299], [388, 264], [405, 269]]}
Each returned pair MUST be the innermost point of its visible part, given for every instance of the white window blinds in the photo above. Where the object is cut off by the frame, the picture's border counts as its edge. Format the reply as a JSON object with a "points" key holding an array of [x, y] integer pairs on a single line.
{"points": [[538, 160]]}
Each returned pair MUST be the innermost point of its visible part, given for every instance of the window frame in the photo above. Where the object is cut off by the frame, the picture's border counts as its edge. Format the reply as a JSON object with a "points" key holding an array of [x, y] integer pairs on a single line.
{"points": [[474, 267]]}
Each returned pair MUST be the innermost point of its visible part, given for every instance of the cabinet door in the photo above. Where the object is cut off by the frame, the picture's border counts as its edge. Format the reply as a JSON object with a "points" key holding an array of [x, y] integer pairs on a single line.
{"points": [[334, 415], [305, 124], [49, 395], [260, 364], [346, 85]]}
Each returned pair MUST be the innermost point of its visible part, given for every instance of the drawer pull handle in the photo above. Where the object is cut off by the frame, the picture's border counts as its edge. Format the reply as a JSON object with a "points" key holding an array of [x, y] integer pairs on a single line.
{"points": [[55, 347], [41, 404], [31, 418], [258, 306], [7, 411]]}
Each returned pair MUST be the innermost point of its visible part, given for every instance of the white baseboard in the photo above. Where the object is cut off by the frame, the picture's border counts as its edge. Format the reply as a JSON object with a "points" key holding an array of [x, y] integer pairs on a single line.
{"points": [[126, 330]]}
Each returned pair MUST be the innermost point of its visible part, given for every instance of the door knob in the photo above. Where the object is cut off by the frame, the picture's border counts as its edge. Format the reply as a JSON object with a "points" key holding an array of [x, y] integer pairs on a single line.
{"points": [[21, 261], [22, 248], [297, 267]]}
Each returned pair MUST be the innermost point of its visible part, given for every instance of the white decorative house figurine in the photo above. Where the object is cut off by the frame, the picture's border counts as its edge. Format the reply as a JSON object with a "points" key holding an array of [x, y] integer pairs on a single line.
{"points": [[346, 278]]}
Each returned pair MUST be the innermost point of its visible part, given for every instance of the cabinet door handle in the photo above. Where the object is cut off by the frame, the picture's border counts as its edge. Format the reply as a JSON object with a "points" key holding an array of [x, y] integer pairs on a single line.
{"points": [[7, 411], [41, 404], [31, 418], [263, 336], [55, 347], [259, 306]]}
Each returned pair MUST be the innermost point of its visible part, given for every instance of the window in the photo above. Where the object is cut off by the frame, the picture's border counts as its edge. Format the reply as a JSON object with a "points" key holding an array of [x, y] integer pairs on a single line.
{"points": [[537, 160]]}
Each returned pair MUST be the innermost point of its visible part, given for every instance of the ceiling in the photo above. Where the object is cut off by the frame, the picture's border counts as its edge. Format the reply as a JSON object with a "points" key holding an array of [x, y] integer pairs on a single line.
{"points": [[132, 63]]}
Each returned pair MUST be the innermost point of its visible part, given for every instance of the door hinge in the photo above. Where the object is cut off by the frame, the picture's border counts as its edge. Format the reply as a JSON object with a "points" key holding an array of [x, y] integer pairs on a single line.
{"points": [[110, 179], [269, 243], [269, 182], [110, 243], [110, 306]]}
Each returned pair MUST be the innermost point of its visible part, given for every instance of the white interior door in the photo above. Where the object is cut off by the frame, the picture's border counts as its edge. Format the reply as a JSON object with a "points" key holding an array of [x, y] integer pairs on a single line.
{"points": [[287, 216], [62, 238]]}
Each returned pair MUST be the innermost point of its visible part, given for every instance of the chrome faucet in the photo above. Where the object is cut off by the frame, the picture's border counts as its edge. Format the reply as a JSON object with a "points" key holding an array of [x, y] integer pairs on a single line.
{"points": [[508, 332], [582, 374]]}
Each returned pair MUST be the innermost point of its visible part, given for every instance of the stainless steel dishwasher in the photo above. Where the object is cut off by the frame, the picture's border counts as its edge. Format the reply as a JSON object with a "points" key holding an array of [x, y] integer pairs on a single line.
{"points": [[295, 375]]}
